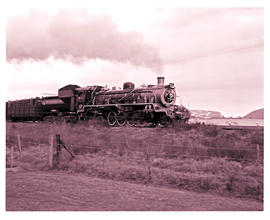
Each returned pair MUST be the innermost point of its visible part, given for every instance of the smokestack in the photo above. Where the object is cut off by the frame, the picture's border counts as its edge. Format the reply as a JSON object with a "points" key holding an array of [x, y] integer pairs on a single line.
{"points": [[160, 81]]}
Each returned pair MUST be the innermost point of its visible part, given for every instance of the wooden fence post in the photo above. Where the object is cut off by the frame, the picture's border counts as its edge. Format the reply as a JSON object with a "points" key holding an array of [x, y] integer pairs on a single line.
{"points": [[51, 148], [19, 142], [58, 148], [11, 156]]}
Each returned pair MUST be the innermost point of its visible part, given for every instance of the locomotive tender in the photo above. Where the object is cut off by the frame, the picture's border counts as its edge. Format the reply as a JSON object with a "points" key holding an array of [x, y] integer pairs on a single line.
{"points": [[153, 104]]}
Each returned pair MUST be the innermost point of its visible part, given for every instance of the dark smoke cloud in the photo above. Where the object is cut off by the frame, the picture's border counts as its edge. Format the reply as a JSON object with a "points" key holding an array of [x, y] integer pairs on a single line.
{"points": [[76, 36]]}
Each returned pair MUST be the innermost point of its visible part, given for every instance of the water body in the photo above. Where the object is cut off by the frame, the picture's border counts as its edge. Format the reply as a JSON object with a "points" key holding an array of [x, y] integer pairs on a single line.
{"points": [[229, 122]]}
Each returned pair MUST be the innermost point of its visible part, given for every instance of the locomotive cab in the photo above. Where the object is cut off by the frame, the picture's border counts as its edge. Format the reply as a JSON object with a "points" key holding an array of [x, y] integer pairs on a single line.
{"points": [[67, 95], [86, 95]]}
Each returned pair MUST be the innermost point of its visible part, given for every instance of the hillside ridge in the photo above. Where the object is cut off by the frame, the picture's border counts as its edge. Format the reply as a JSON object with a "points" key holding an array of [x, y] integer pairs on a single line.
{"points": [[256, 114]]}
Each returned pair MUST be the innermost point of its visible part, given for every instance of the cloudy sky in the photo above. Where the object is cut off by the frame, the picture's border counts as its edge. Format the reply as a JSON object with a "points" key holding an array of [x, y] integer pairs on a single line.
{"points": [[214, 56]]}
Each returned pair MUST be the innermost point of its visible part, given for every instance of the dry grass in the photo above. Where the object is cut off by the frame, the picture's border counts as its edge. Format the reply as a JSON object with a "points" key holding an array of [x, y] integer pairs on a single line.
{"points": [[192, 157], [61, 191]]}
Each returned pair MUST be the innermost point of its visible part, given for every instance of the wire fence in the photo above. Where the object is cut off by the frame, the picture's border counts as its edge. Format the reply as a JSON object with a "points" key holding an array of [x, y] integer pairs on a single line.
{"points": [[92, 145], [152, 161]]}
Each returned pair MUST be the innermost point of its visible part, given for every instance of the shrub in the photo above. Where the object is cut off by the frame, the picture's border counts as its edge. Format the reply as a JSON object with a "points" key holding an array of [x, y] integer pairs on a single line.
{"points": [[210, 130]]}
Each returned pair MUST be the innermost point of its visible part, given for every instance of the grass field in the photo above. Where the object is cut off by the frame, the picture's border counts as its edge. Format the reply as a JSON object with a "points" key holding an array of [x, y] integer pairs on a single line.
{"points": [[59, 191], [200, 158]]}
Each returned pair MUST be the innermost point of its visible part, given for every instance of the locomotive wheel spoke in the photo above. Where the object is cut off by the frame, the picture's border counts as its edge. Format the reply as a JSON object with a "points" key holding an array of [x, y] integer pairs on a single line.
{"points": [[121, 118], [131, 119], [112, 118]]}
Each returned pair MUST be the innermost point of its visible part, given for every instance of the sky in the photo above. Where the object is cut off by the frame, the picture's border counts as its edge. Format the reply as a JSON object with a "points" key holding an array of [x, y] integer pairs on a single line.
{"points": [[213, 55]]}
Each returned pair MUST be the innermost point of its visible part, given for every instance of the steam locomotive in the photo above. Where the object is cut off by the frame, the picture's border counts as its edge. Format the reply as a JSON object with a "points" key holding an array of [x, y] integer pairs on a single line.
{"points": [[153, 104]]}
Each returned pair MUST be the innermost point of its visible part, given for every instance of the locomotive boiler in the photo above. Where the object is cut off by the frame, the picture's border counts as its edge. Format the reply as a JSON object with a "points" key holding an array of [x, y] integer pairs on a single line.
{"points": [[153, 104]]}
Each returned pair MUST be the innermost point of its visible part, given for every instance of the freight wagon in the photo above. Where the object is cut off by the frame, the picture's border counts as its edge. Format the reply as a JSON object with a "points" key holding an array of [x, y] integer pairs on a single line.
{"points": [[24, 110]]}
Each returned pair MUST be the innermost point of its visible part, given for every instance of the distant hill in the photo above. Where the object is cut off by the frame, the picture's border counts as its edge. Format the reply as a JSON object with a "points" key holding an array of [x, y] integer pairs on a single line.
{"points": [[257, 114], [205, 114]]}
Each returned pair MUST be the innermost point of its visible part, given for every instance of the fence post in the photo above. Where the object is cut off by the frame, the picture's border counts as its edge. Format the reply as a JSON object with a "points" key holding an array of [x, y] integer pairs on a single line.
{"points": [[58, 148], [19, 142], [51, 151], [11, 156]]}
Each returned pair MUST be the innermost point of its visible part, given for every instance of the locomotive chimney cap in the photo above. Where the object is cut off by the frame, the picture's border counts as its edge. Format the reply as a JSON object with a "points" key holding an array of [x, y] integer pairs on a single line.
{"points": [[160, 80]]}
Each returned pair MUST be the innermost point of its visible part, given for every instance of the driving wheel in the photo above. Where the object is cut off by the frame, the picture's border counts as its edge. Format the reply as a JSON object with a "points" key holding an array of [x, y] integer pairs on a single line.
{"points": [[112, 118], [121, 118]]}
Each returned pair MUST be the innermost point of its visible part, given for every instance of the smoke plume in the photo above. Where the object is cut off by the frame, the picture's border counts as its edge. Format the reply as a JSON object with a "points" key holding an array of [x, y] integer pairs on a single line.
{"points": [[76, 36]]}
